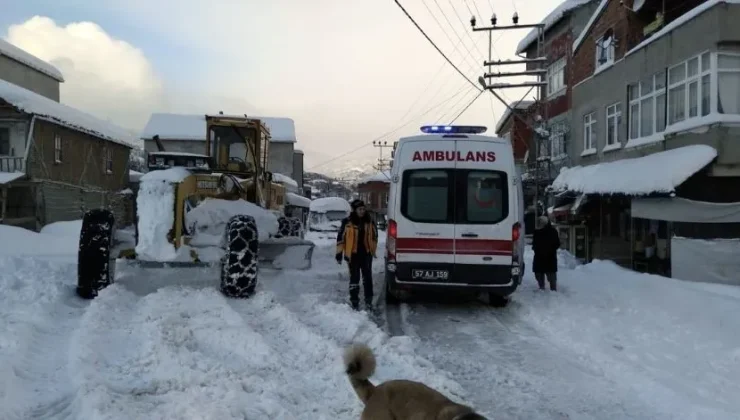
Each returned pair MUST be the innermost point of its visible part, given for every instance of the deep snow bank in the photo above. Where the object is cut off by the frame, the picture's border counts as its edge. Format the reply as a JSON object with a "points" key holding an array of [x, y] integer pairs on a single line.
{"points": [[211, 216], [54, 240]]}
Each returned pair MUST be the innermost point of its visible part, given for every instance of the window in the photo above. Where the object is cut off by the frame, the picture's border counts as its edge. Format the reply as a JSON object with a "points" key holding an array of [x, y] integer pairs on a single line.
{"points": [[589, 131], [647, 106], [605, 50], [613, 121], [486, 197], [426, 195], [688, 93], [558, 146], [728, 82], [556, 77], [57, 148], [5, 141], [108, 161]]}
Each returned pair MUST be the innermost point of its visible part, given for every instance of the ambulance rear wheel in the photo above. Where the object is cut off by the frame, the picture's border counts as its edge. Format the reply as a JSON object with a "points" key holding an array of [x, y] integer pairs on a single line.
{"points": [[239, 264], [391, 295]]}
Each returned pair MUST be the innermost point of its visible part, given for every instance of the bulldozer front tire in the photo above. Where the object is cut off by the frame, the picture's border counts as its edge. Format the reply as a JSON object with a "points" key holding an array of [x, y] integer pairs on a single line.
{"points": [[239, 266], [95, 269]]}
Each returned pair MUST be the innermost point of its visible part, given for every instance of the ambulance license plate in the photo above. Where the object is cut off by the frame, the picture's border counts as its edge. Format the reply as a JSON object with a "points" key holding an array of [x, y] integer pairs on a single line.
{"points": [[430, 274]]}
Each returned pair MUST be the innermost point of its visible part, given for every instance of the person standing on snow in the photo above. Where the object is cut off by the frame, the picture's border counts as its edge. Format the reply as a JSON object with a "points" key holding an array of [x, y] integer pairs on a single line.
{"points": [[545, 244], [357, 241]]}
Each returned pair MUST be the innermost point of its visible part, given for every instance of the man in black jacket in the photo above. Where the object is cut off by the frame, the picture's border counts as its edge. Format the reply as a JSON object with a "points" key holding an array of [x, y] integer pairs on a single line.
{"points": [[357, 242], [545, 244]]}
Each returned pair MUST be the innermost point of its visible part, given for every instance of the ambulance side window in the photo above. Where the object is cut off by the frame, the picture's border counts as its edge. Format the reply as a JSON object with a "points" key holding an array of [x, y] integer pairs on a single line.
{"points": [[425, 196], [486, 197]]}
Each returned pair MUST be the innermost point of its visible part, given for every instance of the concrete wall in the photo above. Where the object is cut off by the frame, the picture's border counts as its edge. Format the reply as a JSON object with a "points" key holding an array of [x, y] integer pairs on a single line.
{"points": [[298, 168], [280, 158], [706, 32], [28, 78]]}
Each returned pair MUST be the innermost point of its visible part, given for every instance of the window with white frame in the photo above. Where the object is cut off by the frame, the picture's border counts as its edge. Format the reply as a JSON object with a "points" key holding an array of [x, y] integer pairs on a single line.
{"points": [[728, 83], [605, 49], [647, 106], [556, 77], [58, 148], [589, 131], [688, 89], [613, 121], [108, 164]]}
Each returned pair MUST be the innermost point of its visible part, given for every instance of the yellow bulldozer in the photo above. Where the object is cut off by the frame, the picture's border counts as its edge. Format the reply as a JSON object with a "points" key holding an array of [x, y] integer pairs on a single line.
{"points": [[217, 208]]}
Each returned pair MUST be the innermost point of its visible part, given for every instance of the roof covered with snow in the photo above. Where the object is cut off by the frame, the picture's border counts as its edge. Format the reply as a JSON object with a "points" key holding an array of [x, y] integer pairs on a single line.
{"points": [[7, 177], [323, 205], [9, 50], [660, 172], [284, 179], [297, 200], [384, 176], [176, 174], [550, 20], [507, 113], [193, 127], [33, 103]]}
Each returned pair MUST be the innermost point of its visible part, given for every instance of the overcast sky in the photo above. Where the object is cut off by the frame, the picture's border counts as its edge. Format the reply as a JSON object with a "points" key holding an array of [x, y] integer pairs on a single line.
{"points": [[346, 71]]}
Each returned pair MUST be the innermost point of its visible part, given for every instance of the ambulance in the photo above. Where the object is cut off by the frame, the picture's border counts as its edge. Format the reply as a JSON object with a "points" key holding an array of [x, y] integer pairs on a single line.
{"points": [[455, 215]]}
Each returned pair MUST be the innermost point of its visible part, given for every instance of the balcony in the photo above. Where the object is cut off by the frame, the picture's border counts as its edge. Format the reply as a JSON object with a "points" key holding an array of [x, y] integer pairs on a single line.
{"points": [[12, 164]]}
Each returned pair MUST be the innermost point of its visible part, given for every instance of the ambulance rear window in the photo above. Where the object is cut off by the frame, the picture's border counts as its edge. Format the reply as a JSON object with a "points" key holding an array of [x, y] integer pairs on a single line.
{"points": [[486, 197], [426, 196]]}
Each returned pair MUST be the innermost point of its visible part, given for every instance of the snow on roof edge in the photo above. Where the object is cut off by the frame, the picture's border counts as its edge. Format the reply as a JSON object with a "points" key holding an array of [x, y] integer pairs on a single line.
{"points": [[24, 57], [553, 18], [384, 176], [32, 103], [577, 43], [659, 172], [507, 113]]}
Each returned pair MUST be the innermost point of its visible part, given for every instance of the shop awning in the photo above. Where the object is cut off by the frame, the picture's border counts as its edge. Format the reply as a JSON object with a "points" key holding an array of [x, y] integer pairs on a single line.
{"points": [[684, 210], [659, 172]]}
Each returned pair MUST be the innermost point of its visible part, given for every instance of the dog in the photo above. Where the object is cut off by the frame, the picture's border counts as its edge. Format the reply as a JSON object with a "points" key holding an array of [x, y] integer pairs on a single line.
{"points": [[398, 399]]}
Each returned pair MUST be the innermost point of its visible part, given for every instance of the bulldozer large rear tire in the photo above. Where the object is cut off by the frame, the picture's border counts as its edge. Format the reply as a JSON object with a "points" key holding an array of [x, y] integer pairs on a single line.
{"points": [[239, 266], [95, 268]]}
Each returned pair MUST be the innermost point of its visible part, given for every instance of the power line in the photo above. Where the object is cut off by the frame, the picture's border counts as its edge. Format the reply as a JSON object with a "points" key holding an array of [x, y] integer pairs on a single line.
{"points": [[435, 45], [386, 133], [469, 56], [453, 107], [466, 107]]}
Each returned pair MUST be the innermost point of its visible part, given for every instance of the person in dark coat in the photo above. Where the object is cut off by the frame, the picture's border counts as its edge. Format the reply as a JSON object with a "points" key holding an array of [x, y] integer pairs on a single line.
{"points": [[545, 244], [357, 242]]}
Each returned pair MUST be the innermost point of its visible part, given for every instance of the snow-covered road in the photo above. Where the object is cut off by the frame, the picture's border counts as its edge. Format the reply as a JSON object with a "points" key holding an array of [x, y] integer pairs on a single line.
{"points": [[167, 345]]}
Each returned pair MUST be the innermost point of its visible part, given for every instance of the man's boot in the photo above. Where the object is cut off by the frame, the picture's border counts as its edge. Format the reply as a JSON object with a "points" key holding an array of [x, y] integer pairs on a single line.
{"points": [[540, 277], [552, 278], [355, 305]]}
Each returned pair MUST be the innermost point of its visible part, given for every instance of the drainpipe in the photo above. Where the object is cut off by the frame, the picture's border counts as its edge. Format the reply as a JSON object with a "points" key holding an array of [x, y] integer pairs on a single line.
{"points": [[29, 139]]}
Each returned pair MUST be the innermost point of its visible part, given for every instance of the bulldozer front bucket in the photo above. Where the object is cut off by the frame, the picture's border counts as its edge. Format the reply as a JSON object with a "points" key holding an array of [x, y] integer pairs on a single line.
{"points": [[288, 252]]}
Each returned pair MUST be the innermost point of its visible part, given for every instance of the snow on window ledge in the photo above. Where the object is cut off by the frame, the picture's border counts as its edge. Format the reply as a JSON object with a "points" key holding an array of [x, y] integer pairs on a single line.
{"points": [[642, 141], [588, 152], [559, 157], [604, 67], [701, 124], [611, 147], [558, 93]]}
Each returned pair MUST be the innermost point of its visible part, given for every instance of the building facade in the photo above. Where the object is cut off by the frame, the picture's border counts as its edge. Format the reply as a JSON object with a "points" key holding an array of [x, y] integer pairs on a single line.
{"points": [[27, 71], [374, 190], [651, 83]]}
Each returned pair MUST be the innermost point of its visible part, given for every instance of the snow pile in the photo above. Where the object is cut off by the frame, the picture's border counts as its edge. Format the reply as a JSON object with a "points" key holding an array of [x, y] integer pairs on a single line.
{"points": [[660, 172], [210, 217], [155, 208], [327, 204], [294, 199], [284, 179], [35, 104], [134, 176], [70, 229], [60, 240], [550, 20], [6, 177], [193, 127], [22, 56], [384, 176]]}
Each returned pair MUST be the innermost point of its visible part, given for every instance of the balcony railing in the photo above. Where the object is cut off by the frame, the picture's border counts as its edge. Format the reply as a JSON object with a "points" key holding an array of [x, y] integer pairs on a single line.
{"points": [[12, 164]]}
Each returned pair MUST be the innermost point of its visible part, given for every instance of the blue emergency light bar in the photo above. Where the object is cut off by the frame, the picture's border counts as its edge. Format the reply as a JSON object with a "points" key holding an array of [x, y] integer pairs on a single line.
{"points": [[453, 129]]}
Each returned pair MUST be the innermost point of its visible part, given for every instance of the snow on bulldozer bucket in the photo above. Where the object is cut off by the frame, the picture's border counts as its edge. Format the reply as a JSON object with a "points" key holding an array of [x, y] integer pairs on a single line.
{"points": [[181, 223]]}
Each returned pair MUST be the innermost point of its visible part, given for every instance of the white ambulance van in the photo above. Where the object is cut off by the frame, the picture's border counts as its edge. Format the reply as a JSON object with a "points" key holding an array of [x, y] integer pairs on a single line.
{"points": [[455, 215]]}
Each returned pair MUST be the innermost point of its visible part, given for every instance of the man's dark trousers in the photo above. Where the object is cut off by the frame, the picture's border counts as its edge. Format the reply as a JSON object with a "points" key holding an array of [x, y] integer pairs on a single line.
{"points": [[360, 265]]}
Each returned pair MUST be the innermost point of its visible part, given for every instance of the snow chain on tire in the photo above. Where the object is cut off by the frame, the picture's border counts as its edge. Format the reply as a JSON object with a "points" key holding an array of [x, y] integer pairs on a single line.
{"points": [[95, 267], [289, 227], [239, 264]]}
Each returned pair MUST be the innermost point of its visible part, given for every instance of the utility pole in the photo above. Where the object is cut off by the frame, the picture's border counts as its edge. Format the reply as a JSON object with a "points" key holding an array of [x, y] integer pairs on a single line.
{"points": [[383, 164], [533, 67]]}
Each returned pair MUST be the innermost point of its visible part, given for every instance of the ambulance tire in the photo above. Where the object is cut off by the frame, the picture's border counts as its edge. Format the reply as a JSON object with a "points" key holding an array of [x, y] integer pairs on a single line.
{"points": [[239, 265], [283, 227], [497, 301], [95, 268], [391, 296]]}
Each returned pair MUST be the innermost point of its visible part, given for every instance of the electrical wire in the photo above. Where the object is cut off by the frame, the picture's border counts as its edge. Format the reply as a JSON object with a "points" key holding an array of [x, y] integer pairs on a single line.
{"points": [[466, 107], [460, 39]]}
